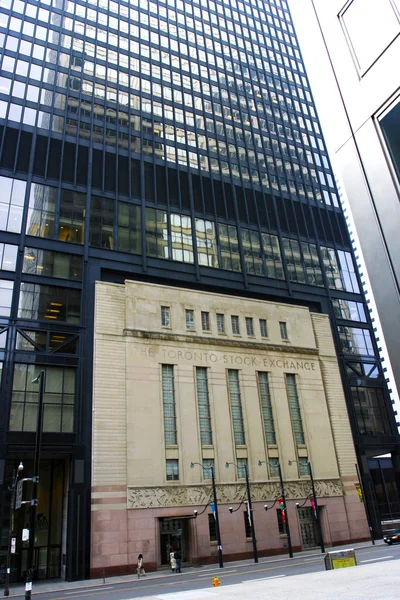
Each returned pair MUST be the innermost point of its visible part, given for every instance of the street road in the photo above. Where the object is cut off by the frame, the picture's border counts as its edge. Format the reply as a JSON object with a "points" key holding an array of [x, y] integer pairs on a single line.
{"points": [[165, 583]]}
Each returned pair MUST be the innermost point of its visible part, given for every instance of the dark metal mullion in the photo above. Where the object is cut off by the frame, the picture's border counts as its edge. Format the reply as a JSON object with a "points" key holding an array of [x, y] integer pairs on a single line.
{"points": [[283, 257], [50, 517]]}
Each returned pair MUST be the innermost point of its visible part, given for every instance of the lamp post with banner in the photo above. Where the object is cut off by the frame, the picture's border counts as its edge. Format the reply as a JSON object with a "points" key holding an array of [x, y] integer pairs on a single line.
{"points": [[41, 379], [314, 504], [282, 506], [250, 514], [16, 496], [214, 508]]}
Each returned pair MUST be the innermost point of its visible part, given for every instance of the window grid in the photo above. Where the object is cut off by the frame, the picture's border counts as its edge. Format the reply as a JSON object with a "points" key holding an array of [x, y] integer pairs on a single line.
{"points": [[349, 310], [224, 68], [220, 323], [331, 268], [294, 260], [371, 415], [206, 243], [273, 465], [273, 258], [205, 321], [189, 316], [49, 303], [165, 316], [283, 330], [172, 469], [303, 467], [8, 257], [263, 328], [311, 264], [208, 465], [235, 325], [252, 252], [242, 465], [236, 407], [266, 408], [59, 399], [355, 341], [294, 408], [168, 394], [11, 204], [203, 401], [347, 272], [249, 326], [229, 244]]}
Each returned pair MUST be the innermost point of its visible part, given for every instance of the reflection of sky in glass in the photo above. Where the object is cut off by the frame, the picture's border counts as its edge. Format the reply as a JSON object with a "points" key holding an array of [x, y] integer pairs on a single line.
{"points": [[371, 27]]}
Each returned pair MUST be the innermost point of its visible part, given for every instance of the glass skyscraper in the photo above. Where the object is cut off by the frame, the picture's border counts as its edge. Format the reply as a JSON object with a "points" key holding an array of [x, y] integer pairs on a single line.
{"points": [[174, 142]]}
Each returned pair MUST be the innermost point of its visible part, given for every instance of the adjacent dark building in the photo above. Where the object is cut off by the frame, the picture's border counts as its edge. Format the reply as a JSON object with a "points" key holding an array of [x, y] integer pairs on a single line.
{"points": [[169, 142]]}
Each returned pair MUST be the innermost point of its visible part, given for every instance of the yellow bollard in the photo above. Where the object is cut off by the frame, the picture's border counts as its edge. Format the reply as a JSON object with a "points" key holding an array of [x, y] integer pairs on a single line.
{"points": [[216, 582]]}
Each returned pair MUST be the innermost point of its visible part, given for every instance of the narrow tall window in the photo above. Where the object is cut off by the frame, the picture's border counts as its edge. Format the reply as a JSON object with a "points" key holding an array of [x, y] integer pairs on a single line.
{"points": [[241, 467], [189, 319], [165, 316], [294, 407], [205, 321], [220, 323], [249, 326], [236, 407], [208, 464], [172, 469], [263, 328], [303, 467], [168, 392], [247, 526], [204, 406], [235, 325], [266, 408], [283, 329], [281, 524], [273, 464], [212, 530]]}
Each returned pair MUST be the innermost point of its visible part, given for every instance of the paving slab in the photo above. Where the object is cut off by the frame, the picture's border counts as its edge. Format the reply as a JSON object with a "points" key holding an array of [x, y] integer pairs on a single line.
{"points": [[366, 582]]}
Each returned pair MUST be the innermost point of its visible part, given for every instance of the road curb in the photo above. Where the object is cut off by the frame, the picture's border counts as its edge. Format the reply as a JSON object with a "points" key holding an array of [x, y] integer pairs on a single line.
{"points": [[193, 570]]}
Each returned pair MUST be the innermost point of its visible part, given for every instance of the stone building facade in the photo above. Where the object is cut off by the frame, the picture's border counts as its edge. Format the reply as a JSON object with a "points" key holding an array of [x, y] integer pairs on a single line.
{"points": [[183, 376]]}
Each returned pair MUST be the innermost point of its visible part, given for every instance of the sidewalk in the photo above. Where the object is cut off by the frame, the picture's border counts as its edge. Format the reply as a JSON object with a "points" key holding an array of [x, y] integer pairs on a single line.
{"points": [[42, 587]]}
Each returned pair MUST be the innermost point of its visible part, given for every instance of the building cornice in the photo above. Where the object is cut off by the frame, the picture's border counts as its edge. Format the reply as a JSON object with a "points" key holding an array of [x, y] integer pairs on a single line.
{"points": [[217, 341]]}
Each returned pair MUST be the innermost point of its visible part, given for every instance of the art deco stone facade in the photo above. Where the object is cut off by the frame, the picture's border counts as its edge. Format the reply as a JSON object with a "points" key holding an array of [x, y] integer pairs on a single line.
{"points": [[132, 498]]}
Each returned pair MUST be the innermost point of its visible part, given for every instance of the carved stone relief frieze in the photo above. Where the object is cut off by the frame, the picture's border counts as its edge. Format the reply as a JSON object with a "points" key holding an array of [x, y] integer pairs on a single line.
{"points": [[230, 493]]}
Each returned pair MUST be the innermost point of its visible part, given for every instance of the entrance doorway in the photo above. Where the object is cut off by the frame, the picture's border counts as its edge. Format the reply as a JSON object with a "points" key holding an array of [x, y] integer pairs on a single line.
{"points": [[174, 536], [307, 527], [49, 526]]}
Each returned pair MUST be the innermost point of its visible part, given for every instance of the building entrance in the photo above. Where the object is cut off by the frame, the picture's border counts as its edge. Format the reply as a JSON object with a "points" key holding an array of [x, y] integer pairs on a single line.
{"points": [[50, 521], [173, 537], [307, 527]]}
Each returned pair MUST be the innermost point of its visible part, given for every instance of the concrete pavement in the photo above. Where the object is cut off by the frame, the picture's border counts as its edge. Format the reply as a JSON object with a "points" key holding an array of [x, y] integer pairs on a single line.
{"points": [[65, 586], [366, 582]]}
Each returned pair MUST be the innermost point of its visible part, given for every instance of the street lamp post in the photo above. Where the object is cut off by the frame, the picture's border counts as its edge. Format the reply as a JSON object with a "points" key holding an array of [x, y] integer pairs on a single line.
{"points": [[11, 528], [36, 462], [215, 511], [316, 513], [250, 514], [315, 507], [289, 538]]}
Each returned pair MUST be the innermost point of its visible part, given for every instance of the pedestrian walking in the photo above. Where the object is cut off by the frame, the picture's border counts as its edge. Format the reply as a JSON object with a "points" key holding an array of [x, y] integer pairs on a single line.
{"points": [[172, 560], [178, 558], [140, 566]]}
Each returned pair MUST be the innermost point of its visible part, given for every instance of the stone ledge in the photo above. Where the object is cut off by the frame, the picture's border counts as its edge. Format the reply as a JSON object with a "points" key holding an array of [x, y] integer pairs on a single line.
{"points": [[213, 341]]}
